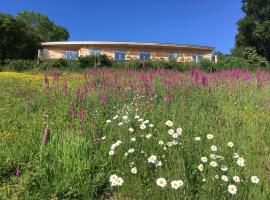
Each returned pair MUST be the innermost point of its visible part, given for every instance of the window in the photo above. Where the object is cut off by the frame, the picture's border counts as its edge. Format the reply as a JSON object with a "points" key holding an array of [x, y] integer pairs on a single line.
{"points": [[172, 55], [94, 52], [119, 55], [144, 55], [70, 55], [197, 57], [200, 57]]}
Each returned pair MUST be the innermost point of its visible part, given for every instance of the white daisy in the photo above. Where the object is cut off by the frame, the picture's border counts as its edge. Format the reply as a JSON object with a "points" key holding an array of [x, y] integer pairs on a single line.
{"points": [[140, 120], [161, 182], [204, 159], [224, 178], [179, 131], [120, 123], [113, 178], [200, 167], [254, 179], [137, 117], [232, 189], [152, 159], [159, 163], [175, 184], [236, 179], [133, 139], [103, 138], [148, 135], [160, 142], [213, 164], [235, 155], [142, 126], [151, 125], [170, 131], [241, 162], [230, 144], [169, 144], [108, 121], [224, 168], [125, 117], [131, 130], [209, 136], [119, 181], [169, 123], [197, 138], [214, 148], [115, 117], [111, 152], [131, 150], [134, 170], [175, 135], [146, 122]]}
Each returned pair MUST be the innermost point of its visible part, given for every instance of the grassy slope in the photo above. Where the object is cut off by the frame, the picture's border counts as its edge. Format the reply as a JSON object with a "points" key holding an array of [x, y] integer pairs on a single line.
{"points": [[75, 165]]}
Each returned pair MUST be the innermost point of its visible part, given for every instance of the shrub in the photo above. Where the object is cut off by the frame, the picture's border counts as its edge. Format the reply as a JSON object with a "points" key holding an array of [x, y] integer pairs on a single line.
{"points": [[19, 65], [60, 64], [231, 62], [86, 61], [104, 61], [207, 65], [251, 55]]}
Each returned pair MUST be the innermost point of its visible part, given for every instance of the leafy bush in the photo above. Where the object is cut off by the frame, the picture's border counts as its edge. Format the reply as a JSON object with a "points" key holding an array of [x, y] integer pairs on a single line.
{"points": [[86, 61], [231, 62], [131, 64], [19, 65], [104, 61], [251, 55], [61, 64], [207, 65], [90, 61]]}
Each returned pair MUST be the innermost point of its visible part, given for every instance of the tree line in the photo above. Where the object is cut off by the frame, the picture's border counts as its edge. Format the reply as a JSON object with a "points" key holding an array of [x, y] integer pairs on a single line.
{"points": [[20, 36]]}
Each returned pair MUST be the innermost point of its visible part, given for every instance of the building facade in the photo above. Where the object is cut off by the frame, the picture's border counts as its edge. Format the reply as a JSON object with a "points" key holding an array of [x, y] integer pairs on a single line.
{"points": [[124, 51]]}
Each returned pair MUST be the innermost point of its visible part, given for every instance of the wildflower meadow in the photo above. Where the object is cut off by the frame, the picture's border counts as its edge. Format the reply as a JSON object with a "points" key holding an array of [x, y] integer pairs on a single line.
{"points": [[135, 134]]}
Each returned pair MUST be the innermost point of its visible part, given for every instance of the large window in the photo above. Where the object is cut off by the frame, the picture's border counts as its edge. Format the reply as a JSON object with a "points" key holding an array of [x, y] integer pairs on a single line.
{"points": [[119, 55], [197, 57], [70, 55], [94, 52], [172, 55], [144, 55]]}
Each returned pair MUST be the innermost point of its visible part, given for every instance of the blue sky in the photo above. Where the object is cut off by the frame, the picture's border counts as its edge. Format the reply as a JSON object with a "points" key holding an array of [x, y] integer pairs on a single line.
{"points": [[207, 22]]}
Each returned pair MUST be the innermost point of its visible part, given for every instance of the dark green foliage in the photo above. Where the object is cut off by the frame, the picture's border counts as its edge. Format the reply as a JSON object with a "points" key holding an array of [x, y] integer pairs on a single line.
{"points": [[94, 61], [207, 65], [87, 61], [252, 57], [19, 65], [61, 64], [42, 27], [230, 62], [15, 42], [254, 28], [21, 36], [104, 61]]}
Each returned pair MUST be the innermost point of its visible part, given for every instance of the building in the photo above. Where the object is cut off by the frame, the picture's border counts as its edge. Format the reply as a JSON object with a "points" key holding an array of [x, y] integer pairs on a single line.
{"points": [[121, 51]]}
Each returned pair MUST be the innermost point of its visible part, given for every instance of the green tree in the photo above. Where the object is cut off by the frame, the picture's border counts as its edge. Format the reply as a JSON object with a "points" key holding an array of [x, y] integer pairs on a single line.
{"points": [[20, 37], [42, 26], [15, 42], [254, 28]]}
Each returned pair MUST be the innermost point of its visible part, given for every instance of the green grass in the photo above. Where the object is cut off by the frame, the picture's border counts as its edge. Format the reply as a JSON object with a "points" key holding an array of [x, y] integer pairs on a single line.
{"points": [[75, 162]]}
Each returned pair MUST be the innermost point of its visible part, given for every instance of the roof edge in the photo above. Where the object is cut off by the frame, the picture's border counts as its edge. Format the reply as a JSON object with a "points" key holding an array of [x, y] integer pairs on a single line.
{"points": [[124, 43]]}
